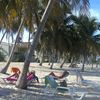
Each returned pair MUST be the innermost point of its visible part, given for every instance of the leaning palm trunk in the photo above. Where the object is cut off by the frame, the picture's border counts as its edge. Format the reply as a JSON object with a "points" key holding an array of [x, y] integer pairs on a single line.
{"points": [[29, 40], [13, 48], [22, 80], [2, 37], [92, 66]]}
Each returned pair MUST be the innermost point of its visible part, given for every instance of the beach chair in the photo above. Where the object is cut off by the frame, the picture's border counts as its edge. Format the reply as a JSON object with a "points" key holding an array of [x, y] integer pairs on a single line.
{"points": [[51, 87], [13, 78], [81, 81]]}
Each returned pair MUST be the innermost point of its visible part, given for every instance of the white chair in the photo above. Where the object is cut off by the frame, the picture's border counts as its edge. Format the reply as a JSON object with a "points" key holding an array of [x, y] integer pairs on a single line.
{"points": [[82, 82], [51, 88]]}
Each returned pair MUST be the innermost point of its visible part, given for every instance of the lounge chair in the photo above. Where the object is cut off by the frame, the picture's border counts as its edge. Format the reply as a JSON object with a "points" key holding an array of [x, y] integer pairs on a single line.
{"points": [[81, 81], [51, 87], [12, 79]]}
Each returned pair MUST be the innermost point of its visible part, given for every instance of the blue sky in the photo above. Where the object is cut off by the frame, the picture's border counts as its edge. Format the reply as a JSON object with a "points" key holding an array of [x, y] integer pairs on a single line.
{"points": [[95, 8], [95, 4], [94, 11]]}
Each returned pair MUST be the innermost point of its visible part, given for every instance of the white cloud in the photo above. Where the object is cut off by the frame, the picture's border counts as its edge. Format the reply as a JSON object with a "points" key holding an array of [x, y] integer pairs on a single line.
{"points": [[95, 13]]}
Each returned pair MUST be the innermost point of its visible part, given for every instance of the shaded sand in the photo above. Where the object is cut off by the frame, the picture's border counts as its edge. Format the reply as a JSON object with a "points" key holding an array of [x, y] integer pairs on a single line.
{"points": [[35, 91]]}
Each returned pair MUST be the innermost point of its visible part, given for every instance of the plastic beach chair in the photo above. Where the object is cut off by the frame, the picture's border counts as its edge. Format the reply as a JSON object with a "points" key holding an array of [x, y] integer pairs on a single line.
{"points": [[52, 87]]}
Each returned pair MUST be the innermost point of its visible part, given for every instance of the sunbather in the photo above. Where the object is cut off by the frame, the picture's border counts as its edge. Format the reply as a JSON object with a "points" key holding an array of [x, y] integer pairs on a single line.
{"points": [[15, 70], [13, 78], [52, 87], [62, 75], [33, 76]]}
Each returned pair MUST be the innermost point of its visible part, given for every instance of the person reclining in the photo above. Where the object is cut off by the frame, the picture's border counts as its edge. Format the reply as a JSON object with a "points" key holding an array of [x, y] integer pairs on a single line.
{"points": [[15, 74], [63, 74], [15, 70], [13, 78]]}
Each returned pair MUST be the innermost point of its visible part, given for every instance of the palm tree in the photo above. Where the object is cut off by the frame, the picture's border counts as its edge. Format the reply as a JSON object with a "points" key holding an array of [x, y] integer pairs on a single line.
{"points": [[2, 37], [22, 81], [14, 19], [86, 26], [13, 48]]}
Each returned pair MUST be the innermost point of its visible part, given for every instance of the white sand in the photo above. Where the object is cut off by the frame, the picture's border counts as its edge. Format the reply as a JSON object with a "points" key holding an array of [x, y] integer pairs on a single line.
{"points": [[35, 92]]}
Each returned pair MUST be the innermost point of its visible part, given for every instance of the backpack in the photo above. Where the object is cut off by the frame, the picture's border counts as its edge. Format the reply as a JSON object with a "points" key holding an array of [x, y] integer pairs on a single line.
{"points": [[63, 83]]}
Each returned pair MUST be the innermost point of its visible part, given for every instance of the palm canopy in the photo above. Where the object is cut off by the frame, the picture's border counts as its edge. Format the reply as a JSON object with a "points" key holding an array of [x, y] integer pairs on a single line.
{"points": [[86, 27], [75, 38], [22, 7], [11, 11]]}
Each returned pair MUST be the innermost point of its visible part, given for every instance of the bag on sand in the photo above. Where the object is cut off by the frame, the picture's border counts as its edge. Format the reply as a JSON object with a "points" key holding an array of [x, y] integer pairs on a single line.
{"points": [[63, 83]]}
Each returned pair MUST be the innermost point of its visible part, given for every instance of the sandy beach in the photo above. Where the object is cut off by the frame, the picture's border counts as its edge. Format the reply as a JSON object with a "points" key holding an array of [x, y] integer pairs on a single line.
{"points": [[35, 91]]}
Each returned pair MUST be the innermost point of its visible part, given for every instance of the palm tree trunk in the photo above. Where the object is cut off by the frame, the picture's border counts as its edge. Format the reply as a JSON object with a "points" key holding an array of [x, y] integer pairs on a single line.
{"points": [[29, 40], [92, 66], [9, 50], [52, 59], [2, 37], [41, 58], [22, 80], [52, 65], [49, 59], [13, 48], [83, 65], [36, 16], [72, 61], [62, 63], [96, 64]]}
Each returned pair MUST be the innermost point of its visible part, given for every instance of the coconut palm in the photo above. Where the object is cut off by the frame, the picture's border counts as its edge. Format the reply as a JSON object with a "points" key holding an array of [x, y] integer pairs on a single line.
{"points": [[13, 48], [16, 15], [86, 26], [22, 8], [22, 79], [2, 37]]}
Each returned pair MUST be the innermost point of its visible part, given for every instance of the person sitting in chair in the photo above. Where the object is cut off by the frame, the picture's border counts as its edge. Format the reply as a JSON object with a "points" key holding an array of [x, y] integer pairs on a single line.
{"points": [[33, 76], [63, 74]]}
